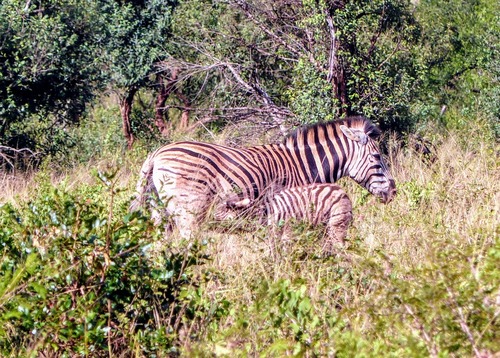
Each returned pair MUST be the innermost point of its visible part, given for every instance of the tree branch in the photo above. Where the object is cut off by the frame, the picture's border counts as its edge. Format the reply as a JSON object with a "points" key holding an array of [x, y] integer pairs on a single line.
{"points": [[332, 56], [9, 157], [431, 347], [245, 8], [188, 70]]}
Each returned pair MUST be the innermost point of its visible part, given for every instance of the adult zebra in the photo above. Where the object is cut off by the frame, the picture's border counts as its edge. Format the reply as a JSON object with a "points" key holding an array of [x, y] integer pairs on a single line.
{"points": [[189, 177]]}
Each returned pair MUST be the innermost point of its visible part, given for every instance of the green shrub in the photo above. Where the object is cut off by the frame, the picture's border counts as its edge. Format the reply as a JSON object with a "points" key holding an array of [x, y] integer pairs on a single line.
{"points": [[78, 277]]}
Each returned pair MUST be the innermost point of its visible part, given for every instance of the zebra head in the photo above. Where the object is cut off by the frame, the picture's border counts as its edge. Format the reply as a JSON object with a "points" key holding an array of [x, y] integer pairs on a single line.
{"points": [[367, 167]]}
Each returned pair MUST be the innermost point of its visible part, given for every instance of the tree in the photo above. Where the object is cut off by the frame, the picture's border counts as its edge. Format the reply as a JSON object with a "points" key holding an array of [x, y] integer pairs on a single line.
{"points": [[57, 56], [462, 53], [220, 76], [319, 59], [137, 37], [48, 51]]}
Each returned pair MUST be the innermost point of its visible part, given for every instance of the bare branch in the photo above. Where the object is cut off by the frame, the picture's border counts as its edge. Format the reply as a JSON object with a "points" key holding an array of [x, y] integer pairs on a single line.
{"points": [[22, 150], [279, 38], [461, 319], [240, 112], [225, 68], [377, 34], [8, 157], [396, 49], [332, 58]]}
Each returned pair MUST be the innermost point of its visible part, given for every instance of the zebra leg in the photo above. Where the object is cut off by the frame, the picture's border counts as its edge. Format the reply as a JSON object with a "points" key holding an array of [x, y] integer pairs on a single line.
{"points": [[186, 224], [230, 208], [176, 200], [244, 203], [336, 231], [187, 213]]}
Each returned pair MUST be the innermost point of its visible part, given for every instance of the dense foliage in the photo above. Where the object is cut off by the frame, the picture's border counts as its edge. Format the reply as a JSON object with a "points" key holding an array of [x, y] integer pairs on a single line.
{"points": [[57, 56], [211, 61], [75, 278], [80, 81], [48, 70]]}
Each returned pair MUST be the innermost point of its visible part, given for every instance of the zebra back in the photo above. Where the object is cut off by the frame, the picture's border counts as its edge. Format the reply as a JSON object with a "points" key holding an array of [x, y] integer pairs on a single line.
{"points": [[314, 203]]}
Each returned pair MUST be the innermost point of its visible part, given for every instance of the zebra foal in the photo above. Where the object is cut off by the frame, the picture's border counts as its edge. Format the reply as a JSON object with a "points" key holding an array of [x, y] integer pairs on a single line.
{"points": [[190, 177], [315, 204]]}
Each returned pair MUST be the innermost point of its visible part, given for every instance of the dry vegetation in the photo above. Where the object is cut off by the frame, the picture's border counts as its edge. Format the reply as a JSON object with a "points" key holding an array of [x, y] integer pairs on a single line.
{"points": [[414, 271], [418, 277]]}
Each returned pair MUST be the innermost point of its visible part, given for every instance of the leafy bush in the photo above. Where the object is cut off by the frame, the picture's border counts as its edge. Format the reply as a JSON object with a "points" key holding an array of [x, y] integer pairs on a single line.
{"points": [[78, 277]]}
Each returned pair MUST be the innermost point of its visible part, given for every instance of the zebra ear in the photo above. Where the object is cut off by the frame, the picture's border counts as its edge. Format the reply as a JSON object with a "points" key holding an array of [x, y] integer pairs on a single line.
{"points": [[354, 134]]}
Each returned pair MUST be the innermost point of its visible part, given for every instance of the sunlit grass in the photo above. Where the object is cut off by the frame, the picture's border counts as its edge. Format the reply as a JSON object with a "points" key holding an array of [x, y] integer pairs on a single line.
{"points": [[417, 277], [431, 241]]}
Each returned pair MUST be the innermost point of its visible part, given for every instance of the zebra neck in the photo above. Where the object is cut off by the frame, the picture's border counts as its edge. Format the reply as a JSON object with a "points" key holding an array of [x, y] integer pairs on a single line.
{"points": [[315, 163]]}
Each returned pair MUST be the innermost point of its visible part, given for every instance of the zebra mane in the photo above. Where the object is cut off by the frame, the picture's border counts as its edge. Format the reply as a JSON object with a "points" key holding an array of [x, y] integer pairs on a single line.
{"points": [[361, 122], [358, 122]]}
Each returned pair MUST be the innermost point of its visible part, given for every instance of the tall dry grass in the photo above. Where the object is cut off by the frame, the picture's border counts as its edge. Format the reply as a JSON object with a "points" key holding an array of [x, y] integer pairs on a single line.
{"points": [[21, 186], [413, 270], [457, 194], [417, 277]]}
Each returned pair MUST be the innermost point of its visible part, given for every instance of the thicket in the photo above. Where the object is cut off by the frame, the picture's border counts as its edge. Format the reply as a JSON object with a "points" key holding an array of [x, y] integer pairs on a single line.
{"points": [[194, 63], [79, 83], [77, 277]]}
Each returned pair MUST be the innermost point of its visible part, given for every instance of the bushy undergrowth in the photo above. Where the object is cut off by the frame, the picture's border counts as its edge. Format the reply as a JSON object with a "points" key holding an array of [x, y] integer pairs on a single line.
{"points": [[77, 277], [418, 277]]}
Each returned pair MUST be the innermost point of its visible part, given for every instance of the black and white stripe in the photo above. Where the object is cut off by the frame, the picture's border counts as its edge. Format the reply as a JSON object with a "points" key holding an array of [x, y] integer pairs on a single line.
{"points": [[316, 204], [190, 176]]}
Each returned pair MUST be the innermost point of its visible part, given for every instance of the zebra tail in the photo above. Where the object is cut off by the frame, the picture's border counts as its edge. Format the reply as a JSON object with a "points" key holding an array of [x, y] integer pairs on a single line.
{"points": [[145, 185]]}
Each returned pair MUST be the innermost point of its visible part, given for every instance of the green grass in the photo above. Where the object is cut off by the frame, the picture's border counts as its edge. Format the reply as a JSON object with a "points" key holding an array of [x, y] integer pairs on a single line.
{"points": [[418, 277]]}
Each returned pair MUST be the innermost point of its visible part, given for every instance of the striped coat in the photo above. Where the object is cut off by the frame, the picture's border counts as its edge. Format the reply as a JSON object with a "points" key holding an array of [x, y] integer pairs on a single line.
{"points": [[316, 204], [189, 177]]}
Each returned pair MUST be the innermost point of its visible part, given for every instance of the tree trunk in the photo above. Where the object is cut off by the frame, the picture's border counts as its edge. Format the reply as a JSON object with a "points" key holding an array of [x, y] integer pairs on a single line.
{"points": [[125, 110], [340, 89], [165, 89], [161, 98], [336, 73], [185, 110]]}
